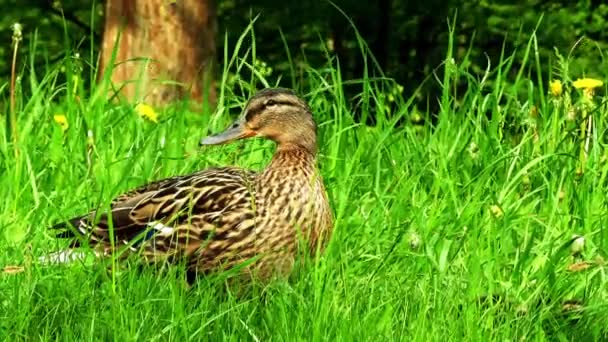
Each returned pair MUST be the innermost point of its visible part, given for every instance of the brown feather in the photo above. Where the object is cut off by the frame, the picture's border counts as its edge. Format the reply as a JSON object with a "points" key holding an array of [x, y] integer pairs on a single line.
{"points": [[220, 217]]}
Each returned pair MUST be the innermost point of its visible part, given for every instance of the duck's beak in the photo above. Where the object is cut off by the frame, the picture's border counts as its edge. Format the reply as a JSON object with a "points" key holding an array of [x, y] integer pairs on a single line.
{"points": [[236, 131]]}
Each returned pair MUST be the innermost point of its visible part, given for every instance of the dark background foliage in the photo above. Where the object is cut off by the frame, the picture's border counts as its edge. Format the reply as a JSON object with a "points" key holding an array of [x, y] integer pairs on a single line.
{"points": [[408, 39]]}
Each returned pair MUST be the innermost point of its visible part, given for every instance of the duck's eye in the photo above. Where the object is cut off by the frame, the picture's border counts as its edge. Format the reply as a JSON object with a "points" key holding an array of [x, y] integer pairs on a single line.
{"points": [[271, 102]]}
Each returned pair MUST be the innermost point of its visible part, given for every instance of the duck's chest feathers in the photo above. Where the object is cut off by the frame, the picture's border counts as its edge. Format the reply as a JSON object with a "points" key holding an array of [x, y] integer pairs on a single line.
{"points": [[290, 194]]}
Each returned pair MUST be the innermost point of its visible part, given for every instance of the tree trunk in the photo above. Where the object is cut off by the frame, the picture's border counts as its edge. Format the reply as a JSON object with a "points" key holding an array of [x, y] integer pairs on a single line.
{"points": [[164, 49]]}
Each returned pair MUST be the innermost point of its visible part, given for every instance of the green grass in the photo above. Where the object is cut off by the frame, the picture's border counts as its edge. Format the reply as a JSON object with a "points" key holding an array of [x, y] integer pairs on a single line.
{"points": [[449, 231]]}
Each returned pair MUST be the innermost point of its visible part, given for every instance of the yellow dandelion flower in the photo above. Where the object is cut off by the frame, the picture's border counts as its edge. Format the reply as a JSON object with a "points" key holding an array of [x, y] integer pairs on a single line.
{"points": [[556, 88], [146, 112], [587, 83], [62, 121]]}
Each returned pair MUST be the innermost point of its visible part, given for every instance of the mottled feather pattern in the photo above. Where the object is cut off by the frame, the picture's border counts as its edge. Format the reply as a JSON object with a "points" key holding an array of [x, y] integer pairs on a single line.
{"points": [[294, 208], [220, 217], [191, 204]]}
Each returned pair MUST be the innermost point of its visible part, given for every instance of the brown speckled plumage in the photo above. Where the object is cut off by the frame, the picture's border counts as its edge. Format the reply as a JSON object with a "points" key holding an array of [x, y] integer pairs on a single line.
{"points": [[219, 217]]}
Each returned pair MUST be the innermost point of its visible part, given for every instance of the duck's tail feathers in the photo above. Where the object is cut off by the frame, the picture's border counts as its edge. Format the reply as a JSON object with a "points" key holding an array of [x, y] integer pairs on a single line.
{"points": [[70, 229], [65, 256]]}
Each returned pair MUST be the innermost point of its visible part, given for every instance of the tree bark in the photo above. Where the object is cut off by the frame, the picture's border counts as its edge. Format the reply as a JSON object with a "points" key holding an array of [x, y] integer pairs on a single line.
{"points": [[164, 50]]}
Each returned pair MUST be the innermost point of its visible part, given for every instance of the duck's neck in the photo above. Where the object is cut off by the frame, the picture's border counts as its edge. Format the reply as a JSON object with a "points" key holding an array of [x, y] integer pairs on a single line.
{"points": [[291, 158], [293, 155]]}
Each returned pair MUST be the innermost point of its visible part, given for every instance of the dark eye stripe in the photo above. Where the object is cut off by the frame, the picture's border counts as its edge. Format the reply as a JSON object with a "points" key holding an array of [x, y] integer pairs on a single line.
{"points": [[254, 111], [259, 108], [275, 102]]}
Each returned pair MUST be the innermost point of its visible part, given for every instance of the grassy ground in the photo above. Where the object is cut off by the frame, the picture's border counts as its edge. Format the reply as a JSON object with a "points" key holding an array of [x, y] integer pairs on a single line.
{"points": [[459, 230]]}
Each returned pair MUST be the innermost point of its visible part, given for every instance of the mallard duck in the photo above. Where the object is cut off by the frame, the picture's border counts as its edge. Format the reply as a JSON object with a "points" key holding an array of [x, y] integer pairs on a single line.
{"points": [[219, 217]]}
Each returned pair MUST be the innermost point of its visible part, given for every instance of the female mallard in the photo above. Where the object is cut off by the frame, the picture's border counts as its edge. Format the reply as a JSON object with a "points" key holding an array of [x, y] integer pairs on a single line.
{"points": [[219, 217]]}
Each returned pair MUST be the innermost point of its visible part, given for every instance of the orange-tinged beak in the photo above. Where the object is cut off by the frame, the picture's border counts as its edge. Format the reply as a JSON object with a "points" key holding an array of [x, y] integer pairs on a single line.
{"points": [[236, 131]]}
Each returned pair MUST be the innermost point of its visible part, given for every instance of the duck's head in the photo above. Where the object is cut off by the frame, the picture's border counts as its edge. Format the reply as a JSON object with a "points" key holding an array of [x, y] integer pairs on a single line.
{"points": [[273, 113]]}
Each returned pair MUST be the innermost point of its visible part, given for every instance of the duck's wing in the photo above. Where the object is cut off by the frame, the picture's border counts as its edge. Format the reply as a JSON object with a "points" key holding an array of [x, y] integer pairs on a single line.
{"points": [[168, 211]]}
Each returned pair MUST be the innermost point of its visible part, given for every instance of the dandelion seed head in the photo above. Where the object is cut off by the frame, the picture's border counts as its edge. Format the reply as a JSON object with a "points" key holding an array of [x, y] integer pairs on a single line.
{"points": [[17, 31]]}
